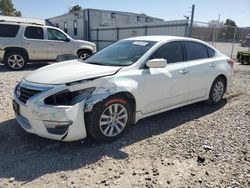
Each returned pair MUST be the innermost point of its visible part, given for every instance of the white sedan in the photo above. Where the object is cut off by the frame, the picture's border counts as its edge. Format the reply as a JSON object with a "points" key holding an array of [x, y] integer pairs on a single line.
{"points": [[119, 85]]}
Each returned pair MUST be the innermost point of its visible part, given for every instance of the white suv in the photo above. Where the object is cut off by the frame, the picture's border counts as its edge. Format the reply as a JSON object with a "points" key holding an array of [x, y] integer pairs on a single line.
{"points": [[126, 81], [21, 42]]}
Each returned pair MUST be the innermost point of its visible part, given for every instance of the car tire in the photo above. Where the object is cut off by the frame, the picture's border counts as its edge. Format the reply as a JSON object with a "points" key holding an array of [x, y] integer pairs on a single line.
{"points": [[83, 54], [15, 61], [217, 91], [109, 119]]}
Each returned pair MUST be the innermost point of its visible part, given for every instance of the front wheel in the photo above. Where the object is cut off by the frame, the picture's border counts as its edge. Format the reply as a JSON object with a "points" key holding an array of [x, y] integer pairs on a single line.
{"points": [[217, 91], [109, 120]]}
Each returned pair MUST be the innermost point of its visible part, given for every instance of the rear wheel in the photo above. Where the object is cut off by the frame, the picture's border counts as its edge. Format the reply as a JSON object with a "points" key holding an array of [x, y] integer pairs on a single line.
{"points": [[15, 60], [83, 54], [217, 91], [109, 120]]}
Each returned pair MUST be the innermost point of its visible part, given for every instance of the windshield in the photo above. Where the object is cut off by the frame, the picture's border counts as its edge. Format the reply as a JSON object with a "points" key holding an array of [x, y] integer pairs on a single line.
{"points": [[121, 53]]}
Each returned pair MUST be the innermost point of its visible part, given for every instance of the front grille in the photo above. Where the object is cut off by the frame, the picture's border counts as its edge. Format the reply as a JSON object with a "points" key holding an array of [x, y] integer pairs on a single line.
{"points": [[26, 94]]}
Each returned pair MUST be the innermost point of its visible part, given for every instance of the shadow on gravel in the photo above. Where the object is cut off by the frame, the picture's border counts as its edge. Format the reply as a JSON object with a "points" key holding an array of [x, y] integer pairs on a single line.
{"points": [[27, 157], [29, 67]]}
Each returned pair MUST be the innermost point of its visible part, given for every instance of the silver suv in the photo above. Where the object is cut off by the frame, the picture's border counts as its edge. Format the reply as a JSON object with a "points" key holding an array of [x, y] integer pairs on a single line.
{"points": [[21, 42]]}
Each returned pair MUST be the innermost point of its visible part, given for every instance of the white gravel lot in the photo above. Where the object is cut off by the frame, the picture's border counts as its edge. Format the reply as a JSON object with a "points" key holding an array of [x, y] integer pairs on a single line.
{"points": [[193, 146]]}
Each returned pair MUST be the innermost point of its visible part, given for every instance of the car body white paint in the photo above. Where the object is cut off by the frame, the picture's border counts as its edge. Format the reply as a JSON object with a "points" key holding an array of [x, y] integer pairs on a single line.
{"points": [[155, 90]]}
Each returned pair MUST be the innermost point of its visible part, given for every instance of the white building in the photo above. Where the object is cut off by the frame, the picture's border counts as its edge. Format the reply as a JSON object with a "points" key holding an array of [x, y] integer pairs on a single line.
{"points": [[79, 24]]}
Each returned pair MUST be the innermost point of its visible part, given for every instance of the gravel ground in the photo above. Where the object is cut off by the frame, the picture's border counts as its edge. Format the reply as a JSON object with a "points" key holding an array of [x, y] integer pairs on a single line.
{"points": [[193, 146]]}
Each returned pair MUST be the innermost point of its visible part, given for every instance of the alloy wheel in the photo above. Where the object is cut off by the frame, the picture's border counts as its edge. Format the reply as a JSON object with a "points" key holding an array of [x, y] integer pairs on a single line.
{"points": [[16, 61], [218, 91], [113, 120]]}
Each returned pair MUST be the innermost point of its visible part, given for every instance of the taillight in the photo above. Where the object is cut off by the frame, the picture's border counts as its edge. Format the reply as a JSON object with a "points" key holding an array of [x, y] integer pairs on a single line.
{"points": [[231, 62]]}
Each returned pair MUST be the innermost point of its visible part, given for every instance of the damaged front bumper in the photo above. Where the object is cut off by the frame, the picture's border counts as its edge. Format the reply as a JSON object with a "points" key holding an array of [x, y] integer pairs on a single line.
{"points": [[60, 123], [57, 122], [64, 123]]}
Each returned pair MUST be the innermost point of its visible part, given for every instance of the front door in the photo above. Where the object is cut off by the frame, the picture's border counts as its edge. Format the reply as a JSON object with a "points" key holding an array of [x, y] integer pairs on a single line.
{"points": [[58, 44], [166, 87]]}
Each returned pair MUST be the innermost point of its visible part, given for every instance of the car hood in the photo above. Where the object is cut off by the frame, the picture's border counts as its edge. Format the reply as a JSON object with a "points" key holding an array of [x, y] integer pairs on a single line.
{"points": [[69, 71], [83, 42]]}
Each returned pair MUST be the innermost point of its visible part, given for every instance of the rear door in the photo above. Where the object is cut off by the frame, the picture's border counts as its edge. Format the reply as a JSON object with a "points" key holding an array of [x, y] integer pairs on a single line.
{"points": [[34, 43], [58, 43], [166, 87], [200, 69]]}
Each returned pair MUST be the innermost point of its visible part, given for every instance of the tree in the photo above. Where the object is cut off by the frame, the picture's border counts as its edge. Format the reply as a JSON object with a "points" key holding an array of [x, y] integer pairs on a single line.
{"points": [[230, 23], [7, 8], [75, 8], [227, 32], [18, 13]]}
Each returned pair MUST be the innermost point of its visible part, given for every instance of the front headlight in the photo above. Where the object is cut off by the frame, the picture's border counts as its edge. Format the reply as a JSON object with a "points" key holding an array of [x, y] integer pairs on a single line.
{"points": [[17, 90], [67, 97]]}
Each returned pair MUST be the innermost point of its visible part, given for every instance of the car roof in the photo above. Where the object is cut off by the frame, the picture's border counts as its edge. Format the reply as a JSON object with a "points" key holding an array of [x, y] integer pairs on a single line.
{"points": [[166, 38], [158, 38], [28, 24], [22, 23]]}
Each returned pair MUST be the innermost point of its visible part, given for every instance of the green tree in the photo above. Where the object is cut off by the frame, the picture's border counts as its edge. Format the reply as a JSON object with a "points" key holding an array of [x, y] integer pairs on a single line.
{"points": [[75, 8], [227, 31], [18, 13], [230, 23], [7, 8]]}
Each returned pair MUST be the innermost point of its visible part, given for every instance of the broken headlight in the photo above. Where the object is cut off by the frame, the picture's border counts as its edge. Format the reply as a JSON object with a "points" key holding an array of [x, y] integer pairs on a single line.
{"points": [[67, 97]]}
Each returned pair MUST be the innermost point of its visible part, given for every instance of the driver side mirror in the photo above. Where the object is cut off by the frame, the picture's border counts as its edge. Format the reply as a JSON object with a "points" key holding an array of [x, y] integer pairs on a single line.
{"points": [[156, 63]]}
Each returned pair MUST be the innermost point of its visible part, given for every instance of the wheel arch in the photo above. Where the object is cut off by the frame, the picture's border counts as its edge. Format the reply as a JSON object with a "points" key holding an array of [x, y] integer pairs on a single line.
{"points": [[129, 96], [84, 49], [124, 94], [16, 49], [92, 123]]}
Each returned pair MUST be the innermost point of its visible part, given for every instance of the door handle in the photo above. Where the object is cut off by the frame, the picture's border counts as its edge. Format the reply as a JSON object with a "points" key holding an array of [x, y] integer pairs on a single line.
{"points": [[27, 43], [212, 65], [184, 71], [52, 44]]}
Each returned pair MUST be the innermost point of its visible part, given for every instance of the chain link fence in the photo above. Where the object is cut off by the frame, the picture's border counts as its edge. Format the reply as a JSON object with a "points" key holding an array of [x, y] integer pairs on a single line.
{"points": [[228, 39], [104, 36]]}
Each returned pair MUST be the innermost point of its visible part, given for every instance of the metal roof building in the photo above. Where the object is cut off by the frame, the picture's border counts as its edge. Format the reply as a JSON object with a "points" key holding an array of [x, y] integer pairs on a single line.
{"points": [[22, 20], [79, 24]]}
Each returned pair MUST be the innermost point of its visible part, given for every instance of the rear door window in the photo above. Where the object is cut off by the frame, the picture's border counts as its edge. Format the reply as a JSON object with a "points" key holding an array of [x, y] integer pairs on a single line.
{"points": [[211, 52], [195, 51], [171, 51], [7, 30], [32, 32]]}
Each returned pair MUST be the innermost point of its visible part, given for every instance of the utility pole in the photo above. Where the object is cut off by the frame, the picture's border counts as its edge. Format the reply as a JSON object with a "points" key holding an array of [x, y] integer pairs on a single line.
{"points": [[232, 51], [215, 31], [216, 35], [192, 21], [186, 27]]}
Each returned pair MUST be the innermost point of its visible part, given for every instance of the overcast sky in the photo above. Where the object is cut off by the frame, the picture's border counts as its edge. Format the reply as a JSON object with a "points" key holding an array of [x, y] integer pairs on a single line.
{"points": [[206, 10]]}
